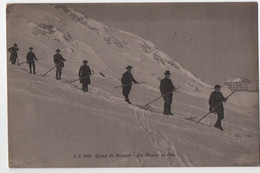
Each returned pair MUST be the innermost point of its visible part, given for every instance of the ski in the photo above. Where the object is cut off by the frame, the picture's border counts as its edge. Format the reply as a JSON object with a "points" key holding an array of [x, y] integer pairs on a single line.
{"points": [[129, 84], [27, 62], [192, 119], [72, 81], [48, 71], [140, 106], [146, 105]]}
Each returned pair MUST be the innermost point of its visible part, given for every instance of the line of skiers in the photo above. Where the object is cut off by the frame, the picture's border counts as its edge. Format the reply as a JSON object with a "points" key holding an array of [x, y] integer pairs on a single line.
{"points": [[166, 85], [84, 72]]}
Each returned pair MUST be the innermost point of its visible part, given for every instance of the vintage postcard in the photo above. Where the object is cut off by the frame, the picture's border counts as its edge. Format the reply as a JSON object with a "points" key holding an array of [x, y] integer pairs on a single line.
{"points": [[132, 85]]}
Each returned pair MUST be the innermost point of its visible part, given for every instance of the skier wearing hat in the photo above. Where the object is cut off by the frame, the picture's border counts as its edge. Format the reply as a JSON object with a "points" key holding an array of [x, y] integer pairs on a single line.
{"points": [[84, 75], [58, 61], [13, 50], [126, 81], [215, 99], [166, 86], [30, 60]]}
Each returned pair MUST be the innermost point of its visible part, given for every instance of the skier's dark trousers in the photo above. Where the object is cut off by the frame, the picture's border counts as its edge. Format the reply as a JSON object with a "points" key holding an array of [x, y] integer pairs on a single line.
{"points": [[127, 80], [84, 75], [215, 99], [13, 50], [167, 86], [30, 60], [58, 61]]}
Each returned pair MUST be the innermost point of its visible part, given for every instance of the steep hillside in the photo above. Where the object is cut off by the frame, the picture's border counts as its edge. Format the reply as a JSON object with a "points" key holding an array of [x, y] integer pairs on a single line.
{"points": [[108, 50], [50, 121]]}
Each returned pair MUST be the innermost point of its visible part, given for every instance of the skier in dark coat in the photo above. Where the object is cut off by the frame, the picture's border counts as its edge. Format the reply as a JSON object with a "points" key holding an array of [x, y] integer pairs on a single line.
{"points": [[167, 86], [30, 60], [84, 74], [58, 61], [216, 98], [126, 81], [13, 50]]}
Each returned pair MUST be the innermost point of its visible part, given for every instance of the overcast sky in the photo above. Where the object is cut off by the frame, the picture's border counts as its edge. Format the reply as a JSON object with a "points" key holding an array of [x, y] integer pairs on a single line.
{"points": [[215, 41]]}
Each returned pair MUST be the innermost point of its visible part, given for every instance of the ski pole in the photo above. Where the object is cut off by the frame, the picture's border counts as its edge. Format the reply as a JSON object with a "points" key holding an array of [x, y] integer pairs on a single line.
{"points": [[48, 71], [214, 108], [26, 61], [22, 63], [160, 97], [129, 84], [80, 78]]}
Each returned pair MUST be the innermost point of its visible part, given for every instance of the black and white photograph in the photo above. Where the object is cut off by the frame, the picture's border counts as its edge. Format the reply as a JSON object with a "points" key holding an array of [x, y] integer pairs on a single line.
{"points": [[94, 85]]}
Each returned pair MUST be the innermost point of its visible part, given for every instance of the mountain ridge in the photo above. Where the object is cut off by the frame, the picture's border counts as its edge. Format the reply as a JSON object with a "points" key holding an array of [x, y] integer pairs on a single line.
{"points": [[120, 45]]}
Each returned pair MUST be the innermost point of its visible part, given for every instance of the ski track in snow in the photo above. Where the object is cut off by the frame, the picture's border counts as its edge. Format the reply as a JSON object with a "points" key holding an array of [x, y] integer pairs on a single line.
{"points": [[159, 139], [108, 96]]}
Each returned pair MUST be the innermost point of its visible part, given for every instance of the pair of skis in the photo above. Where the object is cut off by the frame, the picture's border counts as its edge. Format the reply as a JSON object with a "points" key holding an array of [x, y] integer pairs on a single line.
{"points": [[146, 106], [72, 81], [50, 69]]}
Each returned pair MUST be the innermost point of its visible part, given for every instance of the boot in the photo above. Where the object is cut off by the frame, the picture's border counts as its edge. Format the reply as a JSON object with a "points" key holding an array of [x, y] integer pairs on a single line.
{"points": [[216, 126], [170, 112], [166, 112], [57, 78], [128, 101], [220, 126]]}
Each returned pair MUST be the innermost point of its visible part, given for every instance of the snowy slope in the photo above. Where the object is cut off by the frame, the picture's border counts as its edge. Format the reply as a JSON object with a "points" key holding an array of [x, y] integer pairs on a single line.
{"points": [[80, 38], [57, 120]]}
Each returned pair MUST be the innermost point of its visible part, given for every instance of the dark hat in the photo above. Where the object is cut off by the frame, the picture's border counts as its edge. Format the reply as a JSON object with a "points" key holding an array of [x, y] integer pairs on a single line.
{"points": [[15, 44], [217, 86], [85, 61], [167, 72], [129, 67], [58, 50], [31, 48]]}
